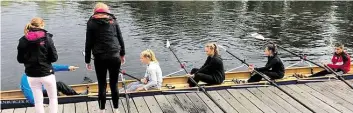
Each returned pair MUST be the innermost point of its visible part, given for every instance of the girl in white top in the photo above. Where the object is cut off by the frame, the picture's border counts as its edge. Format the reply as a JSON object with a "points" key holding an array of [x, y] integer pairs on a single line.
{"points": [[153, 76]]}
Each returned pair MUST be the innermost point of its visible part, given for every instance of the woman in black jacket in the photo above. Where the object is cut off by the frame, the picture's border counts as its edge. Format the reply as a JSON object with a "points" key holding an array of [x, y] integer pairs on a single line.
{"points": [[212, 72], [103, 38], [274, 67], [36, 51]]}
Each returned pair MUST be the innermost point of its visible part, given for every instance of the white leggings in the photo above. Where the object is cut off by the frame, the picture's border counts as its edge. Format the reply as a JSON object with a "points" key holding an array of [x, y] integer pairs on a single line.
{"points": [[49, 83]]}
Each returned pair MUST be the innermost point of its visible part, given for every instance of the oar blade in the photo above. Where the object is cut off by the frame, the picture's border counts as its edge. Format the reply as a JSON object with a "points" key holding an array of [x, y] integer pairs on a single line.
{"points": [[168, 43], [257, 36], [83, 53]]}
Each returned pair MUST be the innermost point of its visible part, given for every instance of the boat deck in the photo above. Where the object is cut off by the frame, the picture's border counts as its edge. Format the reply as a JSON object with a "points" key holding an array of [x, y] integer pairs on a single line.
{"points": [[323, 97]]}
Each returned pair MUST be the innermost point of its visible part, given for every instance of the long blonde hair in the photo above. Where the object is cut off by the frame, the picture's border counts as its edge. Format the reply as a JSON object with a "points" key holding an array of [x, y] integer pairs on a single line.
{"points": [[36, 22], [213, 46], [149, 54]]}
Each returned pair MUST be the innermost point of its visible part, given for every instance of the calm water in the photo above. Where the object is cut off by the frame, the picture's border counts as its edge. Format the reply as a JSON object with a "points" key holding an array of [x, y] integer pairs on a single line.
{"points": [[303, 27]]}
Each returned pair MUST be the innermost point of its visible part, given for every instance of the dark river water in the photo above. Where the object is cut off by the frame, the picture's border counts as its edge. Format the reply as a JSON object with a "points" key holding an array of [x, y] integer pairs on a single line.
{"points": [[309, 28]]}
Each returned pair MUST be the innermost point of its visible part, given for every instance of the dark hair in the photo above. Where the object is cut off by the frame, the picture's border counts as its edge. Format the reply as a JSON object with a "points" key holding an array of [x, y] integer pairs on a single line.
{"points": [[340, 45], [272, 48]]}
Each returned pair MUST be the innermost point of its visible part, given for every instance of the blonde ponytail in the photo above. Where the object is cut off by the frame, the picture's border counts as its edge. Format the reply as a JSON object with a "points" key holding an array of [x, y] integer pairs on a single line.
{"points": [[149, 54], [36, 22], [27, 27]]}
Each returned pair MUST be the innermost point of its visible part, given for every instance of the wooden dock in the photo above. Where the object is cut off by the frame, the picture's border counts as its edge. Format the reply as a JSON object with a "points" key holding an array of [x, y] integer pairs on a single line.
{"points": [[323, 97]]}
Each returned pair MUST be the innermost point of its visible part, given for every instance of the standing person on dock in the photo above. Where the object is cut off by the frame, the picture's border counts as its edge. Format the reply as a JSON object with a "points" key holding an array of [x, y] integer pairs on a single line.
{"points": [[36, 51], [274, 67], [153, 77], [341, 62], [212, 72], [104, 39]]}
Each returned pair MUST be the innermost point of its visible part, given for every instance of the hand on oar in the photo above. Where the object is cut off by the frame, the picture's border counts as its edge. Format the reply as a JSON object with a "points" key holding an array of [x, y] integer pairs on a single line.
{"points": [[190, 75], [251, 68], [73, 68]]}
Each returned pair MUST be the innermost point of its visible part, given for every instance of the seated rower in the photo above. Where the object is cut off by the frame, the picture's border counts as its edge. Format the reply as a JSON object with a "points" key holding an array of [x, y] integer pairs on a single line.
{"points": [[341, 62], [61, 87], [212, 72], [274, 67], [153, 76]]}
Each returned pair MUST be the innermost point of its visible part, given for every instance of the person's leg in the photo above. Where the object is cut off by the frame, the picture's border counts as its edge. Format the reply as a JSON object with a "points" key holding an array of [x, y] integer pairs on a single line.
{"points": [[194, 70], [131, 87], [65, 89], [36, 86], [50, 86], [272, 75], [321, 73], [192, 84], [101, 73], [114, 69], [209, 79], [255, 78]]}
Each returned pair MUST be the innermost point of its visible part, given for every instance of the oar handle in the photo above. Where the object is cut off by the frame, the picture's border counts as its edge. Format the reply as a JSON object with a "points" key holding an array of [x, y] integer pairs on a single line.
{"points": [[124, 73]]}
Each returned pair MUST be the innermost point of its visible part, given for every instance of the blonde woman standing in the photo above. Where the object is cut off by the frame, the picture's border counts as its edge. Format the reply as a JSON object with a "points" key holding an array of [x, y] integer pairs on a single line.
{"points": [[104, 40], [36, 51]]}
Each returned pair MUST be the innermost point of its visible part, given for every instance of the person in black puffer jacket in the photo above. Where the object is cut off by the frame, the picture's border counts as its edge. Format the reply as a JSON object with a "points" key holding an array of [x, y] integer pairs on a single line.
{"points": [[104, 39], [274, 67], [36, 51], [212, 72]]}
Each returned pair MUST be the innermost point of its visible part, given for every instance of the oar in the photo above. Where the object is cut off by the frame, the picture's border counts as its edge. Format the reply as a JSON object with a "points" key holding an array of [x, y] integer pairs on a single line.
{"points": [[267, 79], [126, 94], [192, 80], [260, 37]]}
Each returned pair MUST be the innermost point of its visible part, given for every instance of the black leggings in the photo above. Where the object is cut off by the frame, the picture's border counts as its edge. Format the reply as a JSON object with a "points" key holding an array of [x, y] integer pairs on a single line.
{"points": [[272, 75], [209, 79], [63, 88], [102, 66], [323, 73]]}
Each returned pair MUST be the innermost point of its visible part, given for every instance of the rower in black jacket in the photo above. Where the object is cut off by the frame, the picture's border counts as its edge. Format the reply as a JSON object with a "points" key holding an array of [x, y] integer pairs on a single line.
{"points": [[212, 72], [274, 67]]}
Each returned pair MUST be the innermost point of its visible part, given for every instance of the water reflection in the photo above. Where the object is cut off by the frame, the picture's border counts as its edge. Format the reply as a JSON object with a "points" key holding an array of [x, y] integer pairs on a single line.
{"points": [[303, 27]]}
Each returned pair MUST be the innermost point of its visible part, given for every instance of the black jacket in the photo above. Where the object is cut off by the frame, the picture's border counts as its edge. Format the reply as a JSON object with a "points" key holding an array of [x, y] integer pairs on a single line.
{"points": [[103, 38], [36, 51], [274, 64], [214, 66]]}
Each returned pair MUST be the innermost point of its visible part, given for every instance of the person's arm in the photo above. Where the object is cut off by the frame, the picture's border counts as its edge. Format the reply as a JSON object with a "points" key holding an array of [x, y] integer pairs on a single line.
{"points": [[53, 55], [345, 59], [121, 41], [20, 52], [152, 79], [268, 66], [88, 44], [58, 67]]}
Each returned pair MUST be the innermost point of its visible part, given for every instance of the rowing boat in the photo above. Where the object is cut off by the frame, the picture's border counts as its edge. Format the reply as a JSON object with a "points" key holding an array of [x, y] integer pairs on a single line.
{"points": [[15, 98]]}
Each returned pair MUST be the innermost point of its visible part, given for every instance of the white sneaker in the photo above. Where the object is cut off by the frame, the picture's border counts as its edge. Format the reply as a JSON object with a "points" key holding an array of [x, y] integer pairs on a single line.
{"points": [[102, 111], [116, 111]]}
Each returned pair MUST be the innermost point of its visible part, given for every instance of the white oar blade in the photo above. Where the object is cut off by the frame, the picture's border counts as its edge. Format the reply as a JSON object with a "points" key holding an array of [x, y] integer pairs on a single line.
{"points": [[222, 47], [257, 36], [168, 43]]}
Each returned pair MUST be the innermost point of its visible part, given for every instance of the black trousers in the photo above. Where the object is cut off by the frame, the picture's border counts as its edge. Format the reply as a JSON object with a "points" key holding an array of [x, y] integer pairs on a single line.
{"points": [[323, 73], [272, 75], [63, 88], [209, 79], [102, 65]]}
